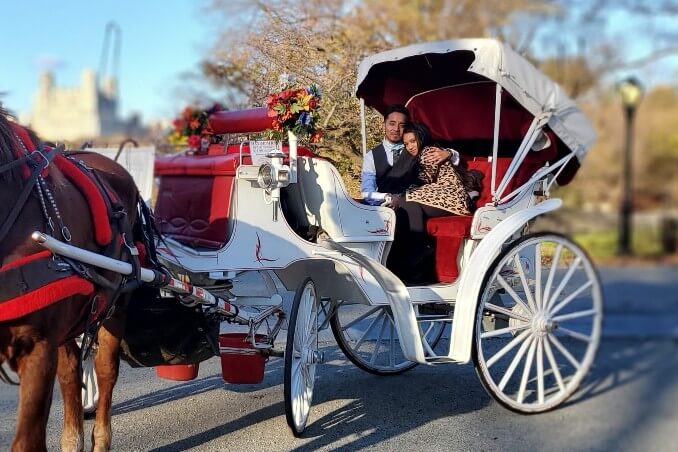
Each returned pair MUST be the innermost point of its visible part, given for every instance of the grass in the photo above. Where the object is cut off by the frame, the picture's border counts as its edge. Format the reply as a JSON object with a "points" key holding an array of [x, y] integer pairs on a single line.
{"points": [[603, 245]]}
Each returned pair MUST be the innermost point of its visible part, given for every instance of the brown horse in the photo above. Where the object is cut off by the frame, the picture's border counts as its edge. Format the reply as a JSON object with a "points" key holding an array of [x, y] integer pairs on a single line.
{"points": [[39, 344]]}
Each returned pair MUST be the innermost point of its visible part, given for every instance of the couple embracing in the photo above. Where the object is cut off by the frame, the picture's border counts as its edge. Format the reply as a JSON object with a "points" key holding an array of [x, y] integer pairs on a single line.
{"points": [[419, 181]]}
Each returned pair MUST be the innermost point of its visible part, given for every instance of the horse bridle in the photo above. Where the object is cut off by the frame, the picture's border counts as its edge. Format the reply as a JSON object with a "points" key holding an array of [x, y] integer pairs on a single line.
{"points": [[38, 160]]}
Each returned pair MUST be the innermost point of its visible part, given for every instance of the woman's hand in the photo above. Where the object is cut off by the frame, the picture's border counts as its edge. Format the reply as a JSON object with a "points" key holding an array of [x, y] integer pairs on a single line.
{"points": [[393, 201]]}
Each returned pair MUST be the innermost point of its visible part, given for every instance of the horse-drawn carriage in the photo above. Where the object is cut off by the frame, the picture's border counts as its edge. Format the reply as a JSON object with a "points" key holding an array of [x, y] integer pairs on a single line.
{"points": [[282, 244]]}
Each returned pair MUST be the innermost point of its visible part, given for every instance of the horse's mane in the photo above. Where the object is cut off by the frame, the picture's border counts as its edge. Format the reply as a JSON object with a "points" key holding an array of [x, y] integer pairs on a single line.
{"points": [[8, 142]]}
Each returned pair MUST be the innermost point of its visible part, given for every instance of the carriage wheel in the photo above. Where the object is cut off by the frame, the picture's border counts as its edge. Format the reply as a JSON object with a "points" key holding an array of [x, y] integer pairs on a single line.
{"points": [[301, 356], [544, 298], [90, 387], [368, 337]]}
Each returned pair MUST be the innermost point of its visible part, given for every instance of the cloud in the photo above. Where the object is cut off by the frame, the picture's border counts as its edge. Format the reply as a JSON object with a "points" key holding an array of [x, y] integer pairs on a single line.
{"points": [[49, 62]]}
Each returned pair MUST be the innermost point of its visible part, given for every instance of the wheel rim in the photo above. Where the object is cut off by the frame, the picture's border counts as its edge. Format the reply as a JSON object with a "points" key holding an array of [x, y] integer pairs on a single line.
{"points": [[545, 298], [90, 387], [368, 336], [90, 390], [304, 356]]}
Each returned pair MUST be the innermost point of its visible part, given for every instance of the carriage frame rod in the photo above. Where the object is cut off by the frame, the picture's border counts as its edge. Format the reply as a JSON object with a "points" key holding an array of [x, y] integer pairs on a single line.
{"points": [[197, 295]]}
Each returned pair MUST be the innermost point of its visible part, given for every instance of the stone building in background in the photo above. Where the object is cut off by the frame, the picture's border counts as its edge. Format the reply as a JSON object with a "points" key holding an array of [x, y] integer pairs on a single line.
{"points": [[82, 112]]}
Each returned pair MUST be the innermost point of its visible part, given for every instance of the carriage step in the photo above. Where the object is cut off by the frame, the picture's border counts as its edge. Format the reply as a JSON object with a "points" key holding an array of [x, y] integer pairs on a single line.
{"points": [[439, 359]]}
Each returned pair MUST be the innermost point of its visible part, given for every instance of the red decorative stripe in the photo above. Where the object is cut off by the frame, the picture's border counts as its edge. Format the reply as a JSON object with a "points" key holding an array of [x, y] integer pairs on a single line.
{"points": [[102, 228], [24, 260], [44, 296]]}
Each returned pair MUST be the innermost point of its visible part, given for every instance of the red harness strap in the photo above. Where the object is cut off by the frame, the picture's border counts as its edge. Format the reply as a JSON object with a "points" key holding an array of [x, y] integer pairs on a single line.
{"points": [[97, 206], [43, 296], [98, 210]]}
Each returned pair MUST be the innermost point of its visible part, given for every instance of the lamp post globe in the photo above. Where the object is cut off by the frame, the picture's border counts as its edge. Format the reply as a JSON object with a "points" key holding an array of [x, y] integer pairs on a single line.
{"points": [[631, 93]]}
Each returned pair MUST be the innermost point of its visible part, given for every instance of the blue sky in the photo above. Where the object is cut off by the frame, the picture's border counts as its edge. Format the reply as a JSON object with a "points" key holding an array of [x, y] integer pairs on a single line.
{"points": [[164, 40], [161, 40]]}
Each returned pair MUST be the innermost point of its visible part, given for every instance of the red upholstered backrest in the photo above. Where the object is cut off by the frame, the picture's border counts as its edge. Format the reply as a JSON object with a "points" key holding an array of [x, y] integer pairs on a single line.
{"points": [[483, 165]]}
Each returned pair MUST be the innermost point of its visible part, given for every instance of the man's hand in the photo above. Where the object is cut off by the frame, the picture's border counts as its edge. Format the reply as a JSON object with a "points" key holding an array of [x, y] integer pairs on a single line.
{"points": [[441, 155]]}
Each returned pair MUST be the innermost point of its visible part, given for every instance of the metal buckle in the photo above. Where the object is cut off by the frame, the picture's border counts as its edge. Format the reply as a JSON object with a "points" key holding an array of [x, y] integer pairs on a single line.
{"points": [[44, 158]]}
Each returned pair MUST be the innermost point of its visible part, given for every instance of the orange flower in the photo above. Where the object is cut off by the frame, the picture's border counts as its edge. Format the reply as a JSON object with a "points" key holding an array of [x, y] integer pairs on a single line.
{"points": [[195, 124]]}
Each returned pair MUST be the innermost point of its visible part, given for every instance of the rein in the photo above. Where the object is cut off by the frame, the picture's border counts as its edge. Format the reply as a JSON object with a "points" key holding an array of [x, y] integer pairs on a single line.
{"points": [[38, 167]]}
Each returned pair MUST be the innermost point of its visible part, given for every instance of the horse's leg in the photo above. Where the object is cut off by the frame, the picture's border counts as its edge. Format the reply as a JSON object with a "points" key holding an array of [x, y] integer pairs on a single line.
{"points": [[37, 370], [106, 364], [72, 438]]}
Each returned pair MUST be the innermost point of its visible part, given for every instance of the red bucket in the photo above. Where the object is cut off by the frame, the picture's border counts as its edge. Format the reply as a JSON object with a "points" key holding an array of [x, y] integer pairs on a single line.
{"points": [[241, 363], [177, 372]]}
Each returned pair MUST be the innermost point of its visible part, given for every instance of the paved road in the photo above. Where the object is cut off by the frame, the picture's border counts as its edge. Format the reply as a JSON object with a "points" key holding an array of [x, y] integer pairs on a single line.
{"points": [[629, 401]]}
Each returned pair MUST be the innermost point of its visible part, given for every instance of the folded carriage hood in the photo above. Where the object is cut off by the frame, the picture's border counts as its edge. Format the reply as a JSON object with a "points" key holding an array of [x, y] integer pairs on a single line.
{"points": [[396, 75]]}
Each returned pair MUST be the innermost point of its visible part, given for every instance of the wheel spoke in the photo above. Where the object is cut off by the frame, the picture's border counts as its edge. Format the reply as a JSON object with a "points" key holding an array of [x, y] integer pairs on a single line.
{"points": [[564, 351], [368, 330], [526, 370], [378, 344], [552, 274], [574, 334], [575, 315], [554, 365], [506, 312], [540, 370], [508, 347], [537, 275], [359, 318], [391, 351], [512, 293], [571, 297], [564, 282], [514, 363], [523, 280], [501, 331]]}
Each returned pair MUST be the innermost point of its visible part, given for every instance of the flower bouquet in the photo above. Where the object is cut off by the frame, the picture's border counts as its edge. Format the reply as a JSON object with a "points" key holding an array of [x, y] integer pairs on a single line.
{"points": [[294, 110], [192, 128]]}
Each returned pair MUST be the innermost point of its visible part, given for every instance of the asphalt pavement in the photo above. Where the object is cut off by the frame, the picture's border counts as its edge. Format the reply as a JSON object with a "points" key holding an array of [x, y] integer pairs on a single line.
{"points": [[628, 402]]}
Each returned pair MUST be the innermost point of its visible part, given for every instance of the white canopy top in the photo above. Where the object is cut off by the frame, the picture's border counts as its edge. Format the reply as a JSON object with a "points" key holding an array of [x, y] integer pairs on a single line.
{"points": [[497, 62]]}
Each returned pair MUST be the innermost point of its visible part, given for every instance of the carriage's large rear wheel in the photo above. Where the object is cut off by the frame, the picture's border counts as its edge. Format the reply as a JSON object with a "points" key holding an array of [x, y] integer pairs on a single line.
{"points": [[301, 356], [543, 297], [367, 335]]}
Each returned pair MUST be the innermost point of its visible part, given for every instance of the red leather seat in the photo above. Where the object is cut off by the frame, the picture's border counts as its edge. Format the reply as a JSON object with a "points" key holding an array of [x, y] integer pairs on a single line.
{"points": [[448, 232]]}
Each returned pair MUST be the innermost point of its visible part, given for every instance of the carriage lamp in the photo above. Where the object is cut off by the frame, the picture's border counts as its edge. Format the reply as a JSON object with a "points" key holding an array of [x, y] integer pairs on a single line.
{"points": [[631, 93], [272, 177]]}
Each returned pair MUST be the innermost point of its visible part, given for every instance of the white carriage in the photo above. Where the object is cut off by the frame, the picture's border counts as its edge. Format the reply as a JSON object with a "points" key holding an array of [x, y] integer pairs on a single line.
{"points": [[525, 307]]}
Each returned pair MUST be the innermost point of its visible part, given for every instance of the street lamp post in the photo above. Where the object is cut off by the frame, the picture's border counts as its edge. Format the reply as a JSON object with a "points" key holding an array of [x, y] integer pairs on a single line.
{"points": [[631, 92]]}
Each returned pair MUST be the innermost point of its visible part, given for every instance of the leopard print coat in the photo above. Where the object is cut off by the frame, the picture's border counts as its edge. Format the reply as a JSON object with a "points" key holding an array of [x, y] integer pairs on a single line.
{"points": [[441, 186]]}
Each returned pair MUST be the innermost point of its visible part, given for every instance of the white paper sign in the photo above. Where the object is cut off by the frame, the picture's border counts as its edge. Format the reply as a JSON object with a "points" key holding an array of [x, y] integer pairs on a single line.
{"points": [[138, 162], [259, 150]]}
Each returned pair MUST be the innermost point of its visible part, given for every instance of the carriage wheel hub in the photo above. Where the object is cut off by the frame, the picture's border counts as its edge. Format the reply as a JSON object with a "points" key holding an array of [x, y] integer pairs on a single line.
{"points": [[543, 324]]}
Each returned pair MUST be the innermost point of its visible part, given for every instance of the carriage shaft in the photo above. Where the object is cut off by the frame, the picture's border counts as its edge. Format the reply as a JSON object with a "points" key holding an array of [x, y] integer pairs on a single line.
{"points": [[192, 295]]}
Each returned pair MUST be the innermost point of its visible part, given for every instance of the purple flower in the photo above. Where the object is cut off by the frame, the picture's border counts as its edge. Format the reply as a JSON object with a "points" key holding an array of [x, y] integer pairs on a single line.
{"points": [[304, 118]]}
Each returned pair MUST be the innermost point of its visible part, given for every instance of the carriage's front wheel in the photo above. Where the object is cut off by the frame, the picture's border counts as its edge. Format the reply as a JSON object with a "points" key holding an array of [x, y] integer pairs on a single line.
{"points": [[301, 356], [538, 323]]}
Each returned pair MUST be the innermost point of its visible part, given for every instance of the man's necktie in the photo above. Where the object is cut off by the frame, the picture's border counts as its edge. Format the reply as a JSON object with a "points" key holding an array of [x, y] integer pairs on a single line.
{"points": [[397, 150]]}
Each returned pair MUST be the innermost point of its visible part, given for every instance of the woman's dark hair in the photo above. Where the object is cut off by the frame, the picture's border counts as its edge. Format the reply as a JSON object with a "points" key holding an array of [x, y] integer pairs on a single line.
{"points": [[420, 131]]}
